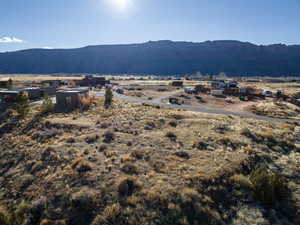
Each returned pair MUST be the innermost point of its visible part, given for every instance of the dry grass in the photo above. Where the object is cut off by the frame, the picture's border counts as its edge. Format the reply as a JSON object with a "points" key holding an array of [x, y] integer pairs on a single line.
{"points": [[139, 176]]}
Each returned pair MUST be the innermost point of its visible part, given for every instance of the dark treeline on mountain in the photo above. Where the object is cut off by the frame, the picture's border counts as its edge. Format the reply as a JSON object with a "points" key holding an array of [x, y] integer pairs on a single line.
{"points": [[161, 58]]}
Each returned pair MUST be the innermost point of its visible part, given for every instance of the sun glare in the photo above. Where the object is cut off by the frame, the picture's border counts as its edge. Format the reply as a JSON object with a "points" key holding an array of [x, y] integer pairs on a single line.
{"points": [[121, 5]]}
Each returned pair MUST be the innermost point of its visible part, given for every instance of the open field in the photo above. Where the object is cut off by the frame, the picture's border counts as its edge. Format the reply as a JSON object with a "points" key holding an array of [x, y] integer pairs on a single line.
{"points": [[138, 164], [34, 77]]}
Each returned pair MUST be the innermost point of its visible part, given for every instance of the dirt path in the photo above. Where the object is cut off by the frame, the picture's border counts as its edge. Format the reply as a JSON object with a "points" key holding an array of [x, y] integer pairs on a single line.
{"points": [[197, 108]]}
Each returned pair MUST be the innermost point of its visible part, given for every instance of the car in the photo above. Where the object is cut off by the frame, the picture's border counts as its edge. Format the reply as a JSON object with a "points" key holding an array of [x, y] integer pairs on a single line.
{"points": [[268, 93], [119, 91]]}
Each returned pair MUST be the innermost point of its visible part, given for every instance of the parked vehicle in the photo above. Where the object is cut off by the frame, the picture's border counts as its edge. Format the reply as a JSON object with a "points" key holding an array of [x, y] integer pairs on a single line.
{"points": [[268, 93], [120, 91]]}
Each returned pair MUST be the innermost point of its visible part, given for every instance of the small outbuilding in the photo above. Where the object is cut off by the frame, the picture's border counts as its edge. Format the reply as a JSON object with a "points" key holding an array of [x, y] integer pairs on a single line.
{"points": [[70, 99], [10, 96], [93, 81], [177, 83], [48, 91], [52, 83], [6, 82]]}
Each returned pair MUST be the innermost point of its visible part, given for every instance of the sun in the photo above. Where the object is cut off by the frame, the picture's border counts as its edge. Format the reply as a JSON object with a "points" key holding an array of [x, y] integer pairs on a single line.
{"points": [[121, 5]]}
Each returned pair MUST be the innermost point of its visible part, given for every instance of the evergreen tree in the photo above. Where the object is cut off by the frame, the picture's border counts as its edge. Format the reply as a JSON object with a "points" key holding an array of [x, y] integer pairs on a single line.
{"points": [[108, 97], [22, 104]]}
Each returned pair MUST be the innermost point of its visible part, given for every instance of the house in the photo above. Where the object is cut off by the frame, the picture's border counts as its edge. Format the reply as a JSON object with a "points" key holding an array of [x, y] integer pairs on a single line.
{"points": [[48, 91], [92, 81], [5, 82], [33, 93], [218, 84], [9, 96], [70, 99], [189, 90], [52, 83], [177, 83], [216, 92]]}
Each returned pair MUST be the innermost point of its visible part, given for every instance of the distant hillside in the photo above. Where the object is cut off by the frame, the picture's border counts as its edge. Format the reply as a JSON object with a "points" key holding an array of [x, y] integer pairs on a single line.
{"points": [[159, 57]]}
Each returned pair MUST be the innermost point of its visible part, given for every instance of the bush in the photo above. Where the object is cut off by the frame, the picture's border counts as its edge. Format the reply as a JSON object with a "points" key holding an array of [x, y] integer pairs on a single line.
{"points": [[108, 136], [10, 113], [171, 135], [130, 168], [150, 125], [241, 181], [268, 186], [81, 166], [86, 102], [127, 187], [91, 138], [182, 154], [16, 217], [47, 105], [22, 104], [173, 123], [108, 97], [200, 145]]}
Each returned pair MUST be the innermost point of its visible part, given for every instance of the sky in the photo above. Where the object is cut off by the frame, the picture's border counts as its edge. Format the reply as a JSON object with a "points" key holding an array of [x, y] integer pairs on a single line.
{"points": [[76, 23]]}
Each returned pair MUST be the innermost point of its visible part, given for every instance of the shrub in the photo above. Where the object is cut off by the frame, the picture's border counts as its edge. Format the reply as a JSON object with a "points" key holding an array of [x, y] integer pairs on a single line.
{"points": [[268, 186], [47, 105], [127, 186], [108, 136], [91, 138], [137, 154], [102, 148], [171, 136], [16, 217], [22, 104], [200, 145], [173, 123], [84, 199], [150, 125], [129, 168], [178, 117], [241, 181], [81, 166], [111, 215], [86, 102], [108, 97], [9, 113], [182, 154]]}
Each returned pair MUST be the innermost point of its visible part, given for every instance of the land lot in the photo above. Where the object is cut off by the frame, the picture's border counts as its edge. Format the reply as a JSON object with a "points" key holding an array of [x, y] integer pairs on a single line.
{"points": [[138, 164], [149, 91]]}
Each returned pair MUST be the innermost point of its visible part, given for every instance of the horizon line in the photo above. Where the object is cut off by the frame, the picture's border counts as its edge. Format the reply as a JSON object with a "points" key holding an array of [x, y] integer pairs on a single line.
{"points": [[145, 42]]}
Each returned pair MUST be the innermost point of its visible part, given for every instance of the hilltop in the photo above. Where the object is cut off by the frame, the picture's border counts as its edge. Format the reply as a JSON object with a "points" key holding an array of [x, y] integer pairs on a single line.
{"points": [[137, 164], [159, 57]]}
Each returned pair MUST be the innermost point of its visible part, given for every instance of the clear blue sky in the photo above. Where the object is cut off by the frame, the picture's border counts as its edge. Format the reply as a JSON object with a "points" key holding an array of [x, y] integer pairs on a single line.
{"points": [[76, 23]]}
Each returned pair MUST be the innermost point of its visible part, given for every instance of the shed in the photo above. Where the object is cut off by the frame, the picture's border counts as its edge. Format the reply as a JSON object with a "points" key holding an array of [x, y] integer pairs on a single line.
{"points": [[93, 81], [9, 96], [177, 83], [216, 92], [218, 84], [70, 99], [52, 83], [48, 91], [5, 82]]}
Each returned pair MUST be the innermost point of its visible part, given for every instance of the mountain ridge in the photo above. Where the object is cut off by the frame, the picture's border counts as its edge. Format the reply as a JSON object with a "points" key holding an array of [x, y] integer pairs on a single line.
{"points": [[159, 57]]}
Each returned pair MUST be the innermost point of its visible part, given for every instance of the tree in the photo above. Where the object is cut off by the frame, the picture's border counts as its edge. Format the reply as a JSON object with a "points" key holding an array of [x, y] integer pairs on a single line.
{"points": [[22, 104], [10, 84], [47, 105], [108, 97]]}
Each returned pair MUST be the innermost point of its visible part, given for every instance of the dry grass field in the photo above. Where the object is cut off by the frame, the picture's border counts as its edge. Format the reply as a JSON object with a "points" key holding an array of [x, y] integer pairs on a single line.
{"points": [[135, 164], [37, 78]]}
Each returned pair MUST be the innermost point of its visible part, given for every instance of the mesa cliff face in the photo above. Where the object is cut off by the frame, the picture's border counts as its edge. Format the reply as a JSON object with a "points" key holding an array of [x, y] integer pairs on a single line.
{"points": [[159, 57]]}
